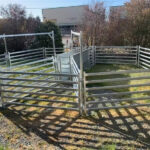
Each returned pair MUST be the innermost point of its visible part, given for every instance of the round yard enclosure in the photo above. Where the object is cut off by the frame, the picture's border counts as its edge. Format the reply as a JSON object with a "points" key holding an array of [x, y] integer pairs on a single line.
{"points": [[114, 85]]}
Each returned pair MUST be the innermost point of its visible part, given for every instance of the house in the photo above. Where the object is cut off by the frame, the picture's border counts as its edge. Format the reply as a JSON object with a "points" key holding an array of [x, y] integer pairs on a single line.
{"points": [[67, 18]]}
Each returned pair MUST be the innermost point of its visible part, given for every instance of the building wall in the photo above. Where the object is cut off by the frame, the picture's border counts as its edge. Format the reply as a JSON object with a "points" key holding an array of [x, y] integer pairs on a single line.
{"points": [[64, 15]]}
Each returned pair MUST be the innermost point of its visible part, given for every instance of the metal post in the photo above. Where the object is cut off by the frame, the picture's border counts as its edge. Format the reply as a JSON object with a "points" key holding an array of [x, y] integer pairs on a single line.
{"points": [[71, 41], [138, 55], [60, 67], [81, 71], [70, 67], [53, 39], [44, 52], [5, 44], [94, 55], [80, 96], [84, 91], [1, 96]]}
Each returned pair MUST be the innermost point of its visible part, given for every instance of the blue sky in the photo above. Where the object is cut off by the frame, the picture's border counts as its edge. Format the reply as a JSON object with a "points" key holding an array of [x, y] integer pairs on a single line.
{"points": [[35, 6]]}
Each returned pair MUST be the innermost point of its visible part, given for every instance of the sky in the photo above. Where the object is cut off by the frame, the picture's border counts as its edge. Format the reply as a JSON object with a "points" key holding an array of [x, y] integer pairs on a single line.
{"points": [[35, 7]]}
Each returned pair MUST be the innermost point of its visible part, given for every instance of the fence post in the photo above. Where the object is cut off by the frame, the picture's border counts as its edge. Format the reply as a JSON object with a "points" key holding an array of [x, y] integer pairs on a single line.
{"points": [[138, 55], [1, 96], [44, 52], [94, 55], [80, 96], [8, 59], [70, 63], [84, 93]]}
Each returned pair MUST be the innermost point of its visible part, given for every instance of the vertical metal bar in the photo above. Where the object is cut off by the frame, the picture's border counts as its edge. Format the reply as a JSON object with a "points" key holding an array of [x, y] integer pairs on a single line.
{"points": [[5, 44], [44, 53], [80, 97], [60, 67], [94, 55], [81, 69], [84, 91], [9, 60], [1, 96], [139, 55], [53, 39], [70, 64]]}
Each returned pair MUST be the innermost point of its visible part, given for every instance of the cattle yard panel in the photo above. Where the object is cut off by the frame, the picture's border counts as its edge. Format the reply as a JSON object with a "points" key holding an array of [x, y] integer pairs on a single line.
{"points": [[38, 90], [26, 76], [111, 90], [26, 56], [116, 55], [144, 57]]}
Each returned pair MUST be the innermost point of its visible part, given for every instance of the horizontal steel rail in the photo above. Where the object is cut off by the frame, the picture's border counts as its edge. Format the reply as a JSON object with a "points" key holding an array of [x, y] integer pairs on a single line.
{"points": [[38, 99], [31, 63], [116, 87], [147, 57], [39, 93], [39, 87], [143, 63], [147, 53], [142, 59], [119, 60], [26, 51], [117, 93], [44, 74], [117, 72], [116, 57], [33, 80], [27, 57], [27, 34], [124, 47], [117, 79], [143, 48]]}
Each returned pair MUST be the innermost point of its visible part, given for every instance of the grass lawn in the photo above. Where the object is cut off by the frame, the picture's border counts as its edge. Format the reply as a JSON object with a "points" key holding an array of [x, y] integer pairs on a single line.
{"points": [[107, 68]]}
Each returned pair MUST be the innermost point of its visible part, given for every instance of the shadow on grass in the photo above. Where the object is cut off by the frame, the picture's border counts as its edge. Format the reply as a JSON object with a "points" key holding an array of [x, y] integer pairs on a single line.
{"points": [[112, 129]]}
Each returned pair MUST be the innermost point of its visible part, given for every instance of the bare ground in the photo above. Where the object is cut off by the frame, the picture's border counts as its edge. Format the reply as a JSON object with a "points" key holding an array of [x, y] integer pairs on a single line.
{"points": [[24, 128]]}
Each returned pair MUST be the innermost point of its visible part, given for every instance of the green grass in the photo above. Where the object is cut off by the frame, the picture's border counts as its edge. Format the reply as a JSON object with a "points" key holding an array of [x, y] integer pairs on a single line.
{"points": [[107, 68], [3, 148]]}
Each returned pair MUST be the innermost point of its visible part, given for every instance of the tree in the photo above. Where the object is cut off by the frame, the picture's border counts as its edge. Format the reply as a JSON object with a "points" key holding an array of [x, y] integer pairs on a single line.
{"points": [[15, 21], [117, 25], [138, 15], [94, 24], [45, 41]]}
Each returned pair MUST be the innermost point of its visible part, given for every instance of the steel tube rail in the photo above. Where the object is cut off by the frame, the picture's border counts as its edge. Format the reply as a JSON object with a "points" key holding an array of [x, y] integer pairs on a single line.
{"points": [[116, 87], [114, 72], [26, 51], [117, 79], [39, 87], [39, 93], [37, 99], [44, 74], [116, 47], [27, 34], [33, 80], [117, 93]]}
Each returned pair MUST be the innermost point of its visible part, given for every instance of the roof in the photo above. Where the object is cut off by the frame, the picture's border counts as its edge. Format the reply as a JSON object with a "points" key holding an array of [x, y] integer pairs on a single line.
{"points": [[64, 15]]}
